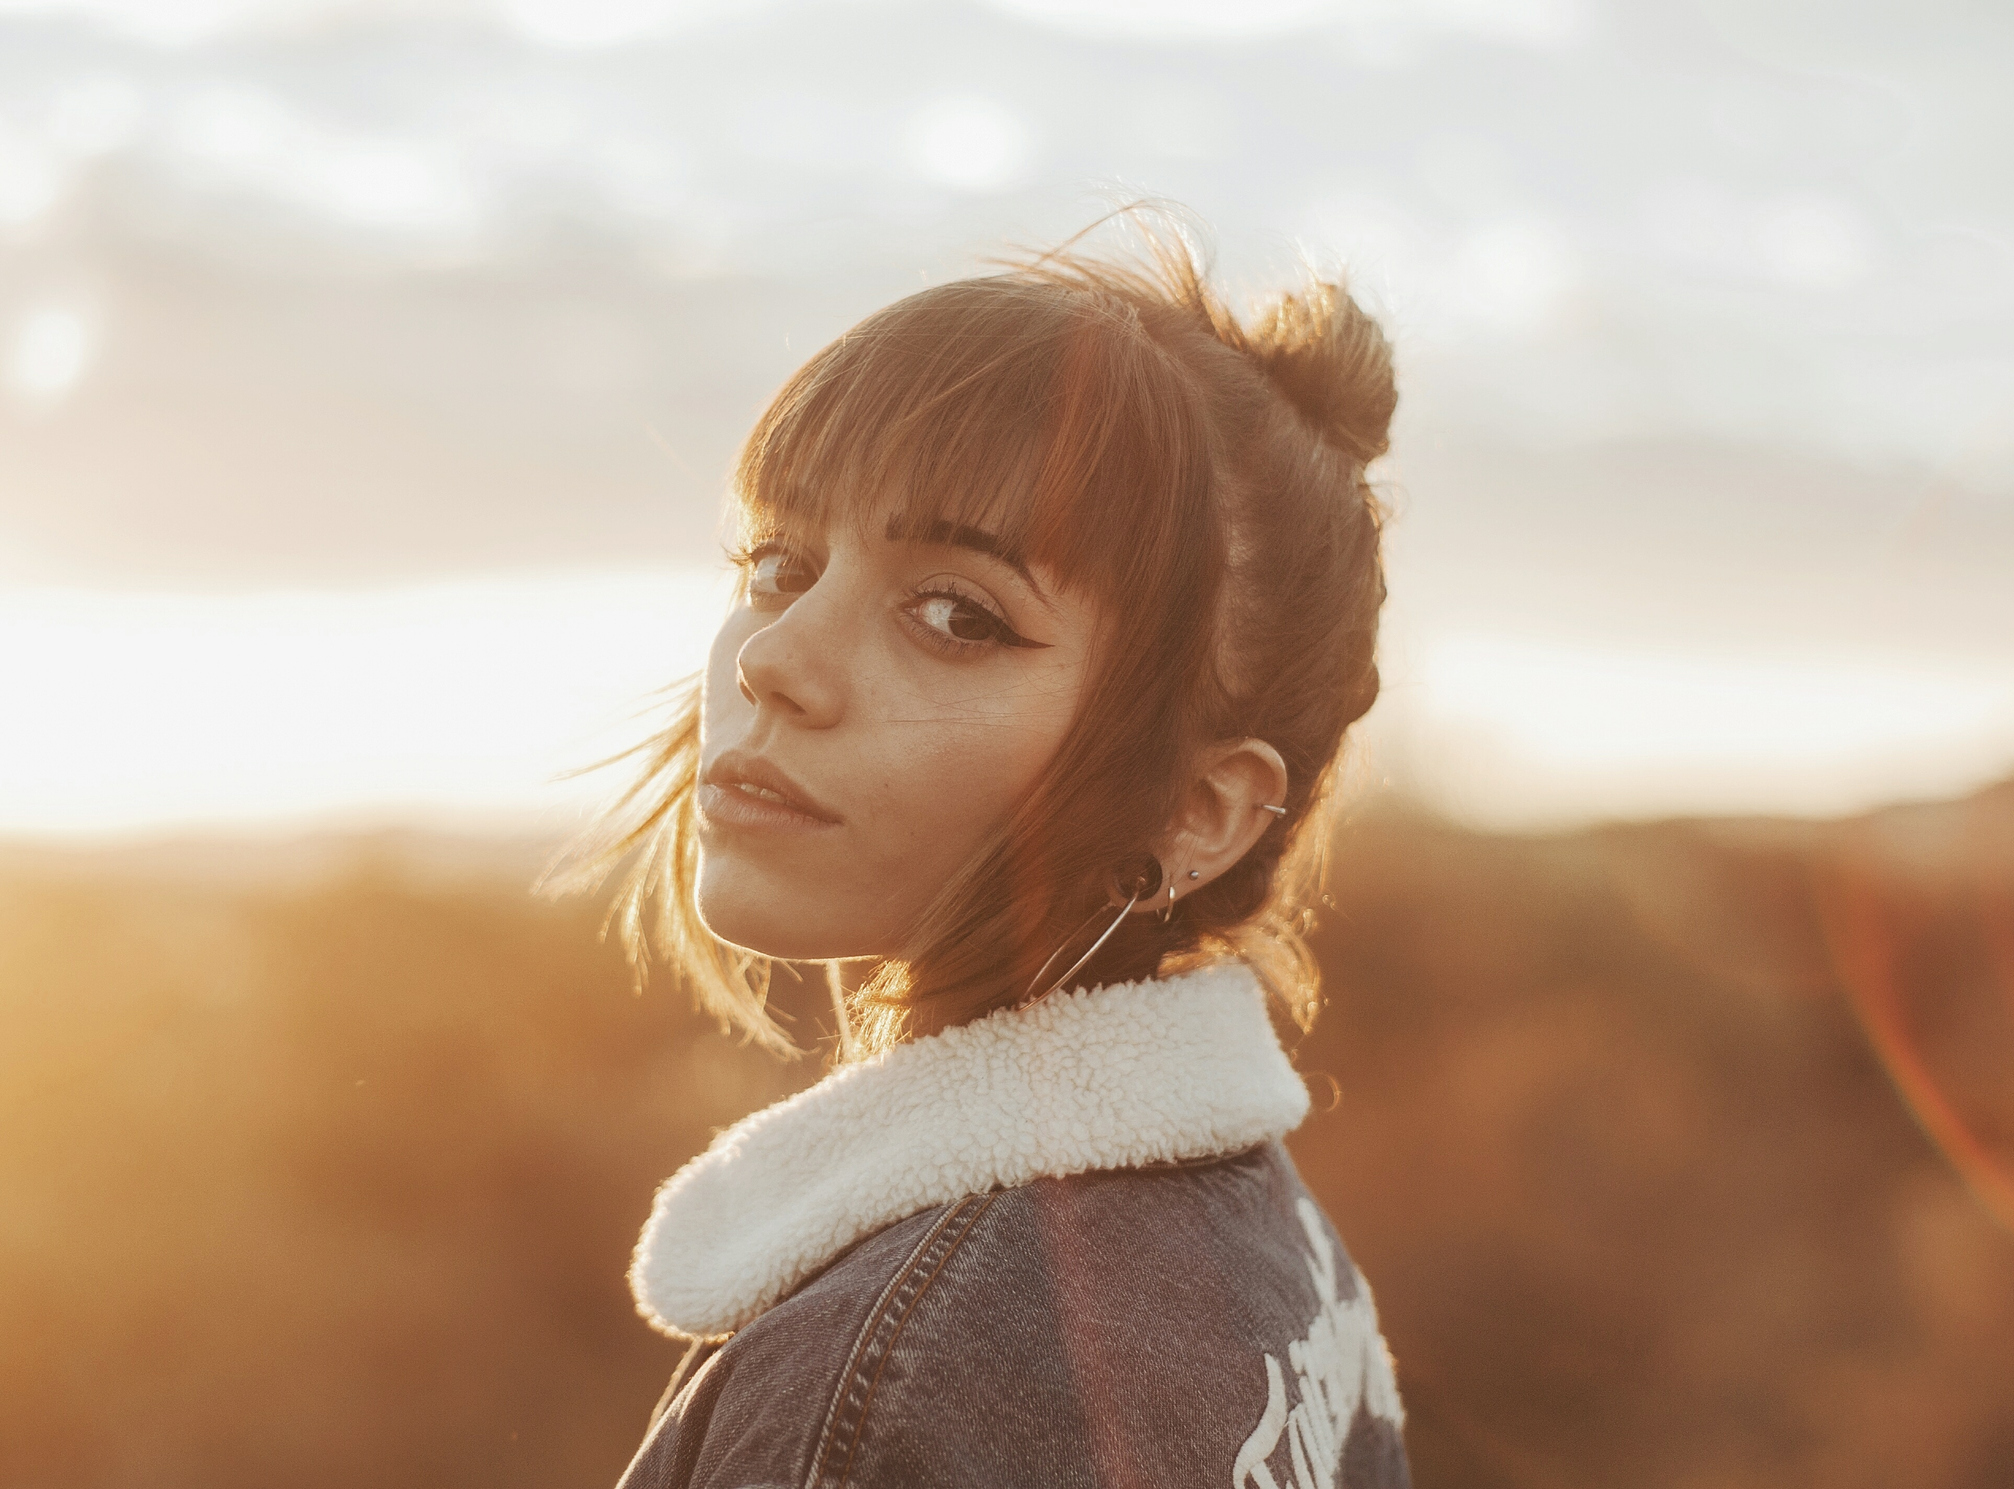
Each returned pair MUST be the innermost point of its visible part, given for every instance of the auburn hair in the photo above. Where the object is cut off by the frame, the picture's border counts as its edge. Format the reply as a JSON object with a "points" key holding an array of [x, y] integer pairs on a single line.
{"points": [[1204, 480]]}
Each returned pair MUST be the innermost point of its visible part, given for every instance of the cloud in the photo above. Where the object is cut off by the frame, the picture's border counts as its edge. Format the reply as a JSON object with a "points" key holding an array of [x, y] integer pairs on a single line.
{"points": [[30, 179], [51, 349], [970, 144]]}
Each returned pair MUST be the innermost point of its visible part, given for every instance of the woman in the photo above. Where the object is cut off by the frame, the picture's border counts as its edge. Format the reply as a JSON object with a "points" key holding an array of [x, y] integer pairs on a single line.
{"points": [[1059, 590]]}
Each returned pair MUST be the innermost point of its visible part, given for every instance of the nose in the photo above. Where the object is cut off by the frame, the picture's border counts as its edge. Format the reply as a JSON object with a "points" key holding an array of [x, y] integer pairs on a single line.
{"points": [[791, 666]]}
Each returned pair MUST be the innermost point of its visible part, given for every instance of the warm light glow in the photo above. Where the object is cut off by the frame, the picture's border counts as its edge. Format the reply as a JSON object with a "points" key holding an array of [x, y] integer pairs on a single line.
{"points": [[469, 700], [1520, 732], [1574, 705], [142, 711]]}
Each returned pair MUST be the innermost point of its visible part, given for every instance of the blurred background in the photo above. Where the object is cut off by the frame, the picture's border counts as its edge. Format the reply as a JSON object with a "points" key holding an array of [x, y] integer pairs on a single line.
{"points": [[369, 373]]}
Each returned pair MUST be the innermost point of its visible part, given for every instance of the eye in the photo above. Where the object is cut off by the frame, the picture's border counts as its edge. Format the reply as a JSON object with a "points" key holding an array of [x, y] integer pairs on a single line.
{"points": [[960, 618], [775, 573], [955, 620]]}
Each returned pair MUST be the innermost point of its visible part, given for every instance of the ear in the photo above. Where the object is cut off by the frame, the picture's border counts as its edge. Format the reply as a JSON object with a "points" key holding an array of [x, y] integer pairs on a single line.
{"points": [[1223, 813]]}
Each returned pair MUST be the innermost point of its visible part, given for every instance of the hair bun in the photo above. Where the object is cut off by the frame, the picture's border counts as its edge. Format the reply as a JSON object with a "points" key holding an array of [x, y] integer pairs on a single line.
{"points": [[1331, 361]]}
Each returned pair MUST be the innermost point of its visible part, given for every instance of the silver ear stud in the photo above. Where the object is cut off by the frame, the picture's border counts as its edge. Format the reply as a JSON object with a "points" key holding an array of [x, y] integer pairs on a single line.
{"points": [[1276, 811], [1195, 873]]}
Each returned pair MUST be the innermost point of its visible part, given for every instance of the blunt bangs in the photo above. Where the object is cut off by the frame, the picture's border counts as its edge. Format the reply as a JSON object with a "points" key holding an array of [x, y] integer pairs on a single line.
{"points": [[1041, 415]]}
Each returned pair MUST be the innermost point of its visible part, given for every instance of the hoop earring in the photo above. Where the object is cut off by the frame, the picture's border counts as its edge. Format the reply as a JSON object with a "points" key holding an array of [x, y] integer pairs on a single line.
{"points": [[1143, 881]]}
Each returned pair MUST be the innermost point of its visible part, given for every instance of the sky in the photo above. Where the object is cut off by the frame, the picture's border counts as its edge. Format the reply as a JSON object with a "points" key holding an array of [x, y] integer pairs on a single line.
{"points": [[370, 369]]}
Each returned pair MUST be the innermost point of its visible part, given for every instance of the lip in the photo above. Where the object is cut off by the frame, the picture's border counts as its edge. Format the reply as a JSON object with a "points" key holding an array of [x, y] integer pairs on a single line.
{"points": [[723, 801]]}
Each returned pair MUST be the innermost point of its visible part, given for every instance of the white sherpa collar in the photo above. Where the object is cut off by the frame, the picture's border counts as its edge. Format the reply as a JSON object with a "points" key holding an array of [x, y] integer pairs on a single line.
{"points": [[1136, 1073]]}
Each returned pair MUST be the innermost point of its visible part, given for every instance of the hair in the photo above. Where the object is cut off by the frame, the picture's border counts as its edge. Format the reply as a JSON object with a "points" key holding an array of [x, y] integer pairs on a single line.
{"points": [[1113, 421]]}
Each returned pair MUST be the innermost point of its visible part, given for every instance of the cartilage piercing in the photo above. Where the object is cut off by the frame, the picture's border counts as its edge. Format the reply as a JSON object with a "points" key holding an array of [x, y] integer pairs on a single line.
{"points": [[1276, 811], [1195, 873]]}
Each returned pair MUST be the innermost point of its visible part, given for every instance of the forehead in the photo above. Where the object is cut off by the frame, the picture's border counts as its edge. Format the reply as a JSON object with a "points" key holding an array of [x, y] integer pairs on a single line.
{"points": [[1023, 420], [898, 446]]}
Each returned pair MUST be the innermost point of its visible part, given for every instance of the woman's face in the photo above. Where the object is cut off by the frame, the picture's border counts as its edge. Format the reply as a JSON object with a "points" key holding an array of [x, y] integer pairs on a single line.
{"points": [[877, 700]]}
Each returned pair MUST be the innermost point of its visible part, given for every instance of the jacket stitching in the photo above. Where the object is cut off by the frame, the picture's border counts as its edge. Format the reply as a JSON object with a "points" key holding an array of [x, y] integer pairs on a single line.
{"points": [[950, 1244], [842, 1395], [878, 1340]]}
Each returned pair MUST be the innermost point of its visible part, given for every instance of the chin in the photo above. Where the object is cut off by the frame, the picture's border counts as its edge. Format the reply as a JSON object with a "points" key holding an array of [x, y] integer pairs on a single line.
{"points": [[745, 908], [759, 929]]}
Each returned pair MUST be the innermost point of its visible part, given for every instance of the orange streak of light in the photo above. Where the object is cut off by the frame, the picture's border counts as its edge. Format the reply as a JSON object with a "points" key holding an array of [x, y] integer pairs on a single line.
{"points": [[1863, 948]]}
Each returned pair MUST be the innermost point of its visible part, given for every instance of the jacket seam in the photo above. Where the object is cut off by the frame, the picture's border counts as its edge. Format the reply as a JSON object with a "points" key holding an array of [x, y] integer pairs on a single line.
{"points": [[867, 1329], [871, 1351], [950, 1244], [1184, 1165]]}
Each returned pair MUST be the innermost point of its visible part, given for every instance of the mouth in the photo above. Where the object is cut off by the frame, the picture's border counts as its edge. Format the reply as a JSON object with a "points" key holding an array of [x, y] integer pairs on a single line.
{"points": [[743, 790]]}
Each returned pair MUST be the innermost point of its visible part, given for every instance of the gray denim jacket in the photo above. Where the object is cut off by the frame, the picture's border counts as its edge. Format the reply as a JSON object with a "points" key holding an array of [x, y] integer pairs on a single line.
{"points": [[1173, 1318]]}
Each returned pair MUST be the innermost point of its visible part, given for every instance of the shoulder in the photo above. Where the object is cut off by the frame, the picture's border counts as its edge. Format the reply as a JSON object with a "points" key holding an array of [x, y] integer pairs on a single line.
{"points": [[754, 1409], [1196, 1323], [1175, 1325]]}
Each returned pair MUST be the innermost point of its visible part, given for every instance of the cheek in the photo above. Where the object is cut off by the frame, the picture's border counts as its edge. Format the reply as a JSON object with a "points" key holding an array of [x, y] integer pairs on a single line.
{"points": [[923, 762], [955, 766], [720, 693]]}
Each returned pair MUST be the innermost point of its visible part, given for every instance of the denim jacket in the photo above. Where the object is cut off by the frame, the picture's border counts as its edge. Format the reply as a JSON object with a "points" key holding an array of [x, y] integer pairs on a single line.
{"points": [[1061, 1246]]}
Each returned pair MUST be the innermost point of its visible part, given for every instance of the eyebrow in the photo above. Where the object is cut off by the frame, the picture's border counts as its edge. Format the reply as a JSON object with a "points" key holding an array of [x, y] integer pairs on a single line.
{"points": [[957, 535]]}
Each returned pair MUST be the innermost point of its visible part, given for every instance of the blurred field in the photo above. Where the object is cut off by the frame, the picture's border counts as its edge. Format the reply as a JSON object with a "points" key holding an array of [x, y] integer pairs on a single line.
{"points": [[320, 1166]]}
